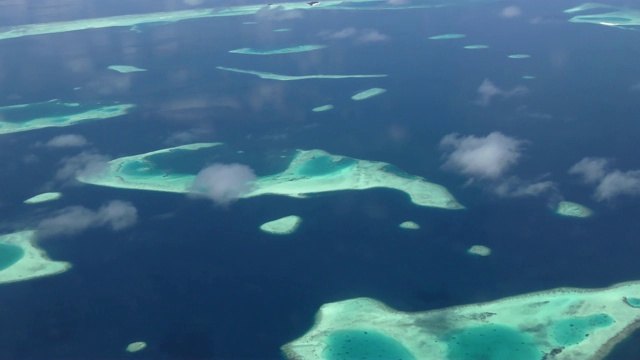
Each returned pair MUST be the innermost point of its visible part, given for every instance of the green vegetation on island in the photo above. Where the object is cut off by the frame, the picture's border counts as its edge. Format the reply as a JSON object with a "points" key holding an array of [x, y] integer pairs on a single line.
{"points": [[272, 76], [563, 323], [308, 172], [50, 196], [21, 259], [24, 117], [294, 49], [284, 226]]}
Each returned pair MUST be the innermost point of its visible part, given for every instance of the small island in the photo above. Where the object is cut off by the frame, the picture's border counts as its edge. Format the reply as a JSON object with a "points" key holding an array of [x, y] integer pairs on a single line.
{"points": [[289, 50], [476, 47], [368, 94], [322, 108], [280, 77], [564, 323], [283, 226], [409, 225], [615, 16], [308, 172], [136, 346], [50, 196], [21, 259], [571, 209], [447, 37], [18, 118], [479, 250], [125, 68]]}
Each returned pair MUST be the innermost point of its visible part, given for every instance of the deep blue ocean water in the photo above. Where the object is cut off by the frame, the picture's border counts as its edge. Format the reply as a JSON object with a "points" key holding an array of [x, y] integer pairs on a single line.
{"points": [[195, 280]]}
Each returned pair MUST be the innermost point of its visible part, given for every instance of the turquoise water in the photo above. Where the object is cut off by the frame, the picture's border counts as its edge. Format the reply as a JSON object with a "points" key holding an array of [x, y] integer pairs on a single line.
{"points": [[635, 302], [495, 342], [575, 330], [180, 161], [364, 345], [140, 168], [324, 165], [9, 255], [38, 110]]}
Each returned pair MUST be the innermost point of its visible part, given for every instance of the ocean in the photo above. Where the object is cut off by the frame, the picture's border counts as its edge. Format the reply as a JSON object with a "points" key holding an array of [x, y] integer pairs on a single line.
{"points": [[199, 280]]}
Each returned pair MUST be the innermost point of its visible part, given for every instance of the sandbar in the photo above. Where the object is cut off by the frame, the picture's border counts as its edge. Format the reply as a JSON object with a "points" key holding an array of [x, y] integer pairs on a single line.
{"points": [[409, 225], [620, 17], [33, 263], [519, 56], [19, 118], [479, 250], [283, 226], [125, 68], [322, 108], [50, 196], [289, 50], [447, 36], [136, 346], [308, 172], [568, 208], [561, 324], [135, 21], [272, 76], [368, 94], [476, 47]]}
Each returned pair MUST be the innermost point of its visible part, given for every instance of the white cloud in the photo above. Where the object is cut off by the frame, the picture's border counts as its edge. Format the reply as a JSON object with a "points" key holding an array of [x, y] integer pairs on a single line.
{"points": [[358, 35], [485, 157], [117, 215], [609, 183], [488, 91], [67, 140], [618, 183], [84, 164], [516, 187], [185, 137], [511, 12], [278, 13], [371, 35], [341, 34], [591, 169], [223, 183]]}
